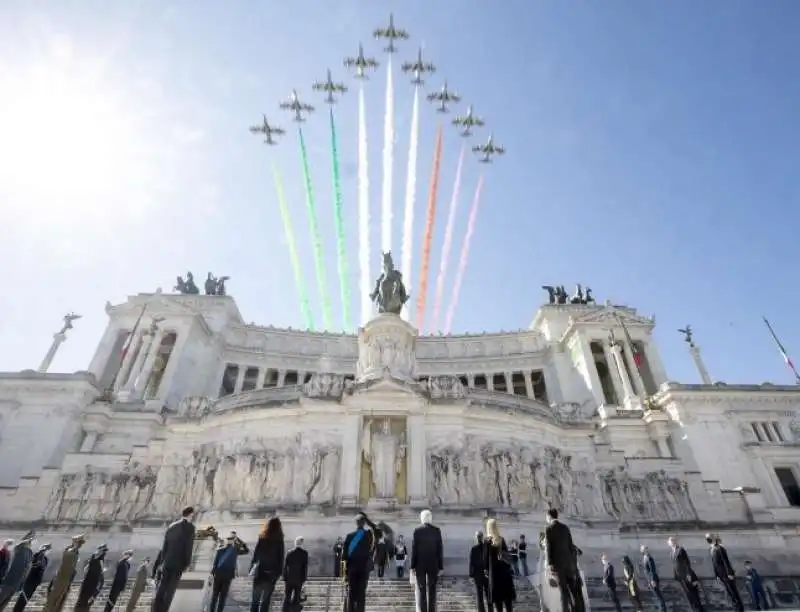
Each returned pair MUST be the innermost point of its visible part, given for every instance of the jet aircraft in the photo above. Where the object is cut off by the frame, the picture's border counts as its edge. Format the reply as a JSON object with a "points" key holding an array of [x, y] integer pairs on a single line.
{"points": [[297, 107], [329, 87], [392, 34], [360, 63], [468, 121], [268, 130], [487, 150], [444, 96], [418, 67]]}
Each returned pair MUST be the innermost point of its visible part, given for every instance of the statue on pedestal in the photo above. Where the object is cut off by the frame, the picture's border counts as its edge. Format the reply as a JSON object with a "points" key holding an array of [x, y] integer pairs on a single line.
{"points": [[188, 286], [214, 285], [384, 453], [390, 292]]}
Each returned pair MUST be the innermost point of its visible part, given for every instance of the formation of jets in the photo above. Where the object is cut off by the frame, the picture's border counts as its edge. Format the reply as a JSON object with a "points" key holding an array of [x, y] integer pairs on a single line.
{"points": [[468, 121], [418, 67], [444, 96], [297, 107], [268, 130], [360, 63], [489, 149], [391, 34], [330, 88]]}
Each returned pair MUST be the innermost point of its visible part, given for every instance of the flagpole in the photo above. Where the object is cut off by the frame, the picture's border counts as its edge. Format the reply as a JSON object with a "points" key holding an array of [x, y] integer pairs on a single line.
{"points": [[782, 350], [127, 346]]}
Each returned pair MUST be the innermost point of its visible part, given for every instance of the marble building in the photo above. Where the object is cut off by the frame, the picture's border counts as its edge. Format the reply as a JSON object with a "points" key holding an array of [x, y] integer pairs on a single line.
{"points": [[575, 412]]}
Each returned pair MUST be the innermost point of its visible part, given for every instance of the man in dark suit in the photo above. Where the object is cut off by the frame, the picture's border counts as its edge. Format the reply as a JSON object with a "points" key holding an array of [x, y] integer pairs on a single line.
{"points": [[176, 556], [653, 581], [684, 574], [610, 582], [120, 580], [427, 560], [478, 573], [295, 573], [723, 570], [563, 562], [357, 552]]}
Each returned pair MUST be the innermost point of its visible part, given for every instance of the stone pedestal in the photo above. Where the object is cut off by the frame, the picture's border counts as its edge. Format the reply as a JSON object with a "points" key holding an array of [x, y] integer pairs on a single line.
{"points": [[386, 346]]}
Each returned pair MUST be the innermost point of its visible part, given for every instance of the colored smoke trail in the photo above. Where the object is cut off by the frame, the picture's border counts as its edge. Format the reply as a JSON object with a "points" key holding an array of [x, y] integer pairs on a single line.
{"points": [[448, 240], [462, 264], [338, 219], [427, 238], [363, 209], [319, 262], [305, 308], [388, 162], [411, 192]]}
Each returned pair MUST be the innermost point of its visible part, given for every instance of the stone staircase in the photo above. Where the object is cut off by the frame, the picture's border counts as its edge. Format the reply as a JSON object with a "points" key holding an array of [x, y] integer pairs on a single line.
{"points": [[40, 597], [456, 594]]}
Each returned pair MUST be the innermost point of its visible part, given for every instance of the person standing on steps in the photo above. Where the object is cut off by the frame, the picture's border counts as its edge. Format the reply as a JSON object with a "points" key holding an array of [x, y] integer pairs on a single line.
{"points": [[93, 579], [562, 558], [427, 560], [400, 554], [632, 586], [176, 557], [610, 582], [723, 570], [295, 574], [223, 571], [651, 573], [523, 554], [5, 558], [684, 574], [337, 558], [120, 580], [478, 573], [139, 585], [34, 577], [65, 574], [381, 555], [266, 565], [502, 592], [755, 586], [359, 548], [18, 568]]}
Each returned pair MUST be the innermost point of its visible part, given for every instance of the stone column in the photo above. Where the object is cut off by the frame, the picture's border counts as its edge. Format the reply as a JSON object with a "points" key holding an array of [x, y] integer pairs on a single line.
{"points": [[126, 366], [140, 383], [701, 367], [350, 471], [143, 353], [417, 457], [638, 383], [529, 384], [87, 446], [51, 353], [613, 371], [627, 389], [237, 388]]}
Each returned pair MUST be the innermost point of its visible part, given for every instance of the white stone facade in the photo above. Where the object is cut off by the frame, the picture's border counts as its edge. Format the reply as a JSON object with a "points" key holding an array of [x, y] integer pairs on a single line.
{"points": [[242, 421]]}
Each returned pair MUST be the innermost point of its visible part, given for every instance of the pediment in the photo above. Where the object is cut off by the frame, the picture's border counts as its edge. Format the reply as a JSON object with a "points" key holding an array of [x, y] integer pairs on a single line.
{"points": [[610, 315], [389, 386]]}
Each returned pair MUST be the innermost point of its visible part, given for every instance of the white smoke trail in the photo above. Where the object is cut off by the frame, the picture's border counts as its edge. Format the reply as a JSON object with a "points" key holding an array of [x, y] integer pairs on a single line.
{"points": [[448, 241], [411, 189], [363, 209], [388, 162]]}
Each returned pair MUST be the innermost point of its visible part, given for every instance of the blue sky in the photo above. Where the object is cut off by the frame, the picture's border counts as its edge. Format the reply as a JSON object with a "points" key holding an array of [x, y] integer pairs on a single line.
{"points": [[651, 154]]}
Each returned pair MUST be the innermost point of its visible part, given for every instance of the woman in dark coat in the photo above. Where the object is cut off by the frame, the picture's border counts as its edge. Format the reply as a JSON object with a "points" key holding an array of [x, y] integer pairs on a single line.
{"points": [[93, 580], [34, 579], [267, 564], [502, 592], [19, 567], [630, 583]]}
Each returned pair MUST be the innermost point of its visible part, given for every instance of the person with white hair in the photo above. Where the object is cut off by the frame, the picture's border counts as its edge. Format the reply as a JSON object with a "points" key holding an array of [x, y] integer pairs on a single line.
{"points": [[295, 573], [684, 574], [427, 560], [651, 572], [5, 557]]}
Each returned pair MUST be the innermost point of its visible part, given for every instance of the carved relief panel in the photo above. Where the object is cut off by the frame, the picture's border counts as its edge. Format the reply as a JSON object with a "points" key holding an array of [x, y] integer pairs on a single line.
{"points": [[383, 459]]}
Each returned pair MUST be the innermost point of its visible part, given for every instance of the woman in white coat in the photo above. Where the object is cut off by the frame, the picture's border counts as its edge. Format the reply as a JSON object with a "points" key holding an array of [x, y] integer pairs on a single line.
{"points": [[546, 585]]}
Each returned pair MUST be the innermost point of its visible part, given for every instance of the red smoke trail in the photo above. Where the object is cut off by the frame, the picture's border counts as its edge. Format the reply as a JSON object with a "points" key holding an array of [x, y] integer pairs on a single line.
{"points": [[428, 237], [462, 264]]}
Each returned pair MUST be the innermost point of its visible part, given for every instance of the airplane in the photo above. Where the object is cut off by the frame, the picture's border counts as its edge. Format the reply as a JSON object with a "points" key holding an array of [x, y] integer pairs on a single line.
{"points": [[360, 63], [444, 96], [297, 107], [391, 34], [268, 130], [468, 121], [330, 88], [488, 149], [419, 68]]}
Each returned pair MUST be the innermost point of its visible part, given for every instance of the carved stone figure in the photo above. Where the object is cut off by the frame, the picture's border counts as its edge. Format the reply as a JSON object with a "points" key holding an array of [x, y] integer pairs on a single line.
{"points": [[215, 286], [194, 407], [561, 295], [187, 286], [390, 292], [558, 295], [794, 427], [384, 453], [687, 335], [446, 387], [68, 319], [551, 293], [578, 297], [325, 385]]}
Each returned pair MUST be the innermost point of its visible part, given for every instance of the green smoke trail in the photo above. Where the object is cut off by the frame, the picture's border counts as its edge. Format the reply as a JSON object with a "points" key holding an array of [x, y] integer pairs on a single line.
{"points": [[315, 237], [305, 308], [344, 287]]}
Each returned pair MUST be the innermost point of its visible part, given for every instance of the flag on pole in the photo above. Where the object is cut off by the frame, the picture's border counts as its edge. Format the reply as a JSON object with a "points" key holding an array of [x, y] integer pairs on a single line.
{"points": [[782, 350], [132, 335]]}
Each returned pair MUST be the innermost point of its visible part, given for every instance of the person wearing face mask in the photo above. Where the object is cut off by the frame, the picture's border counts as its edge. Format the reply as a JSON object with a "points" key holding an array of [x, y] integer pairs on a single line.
{"points": [[400, 554], [120, 580], [93, 580], [18, 569], [34, 577]]}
